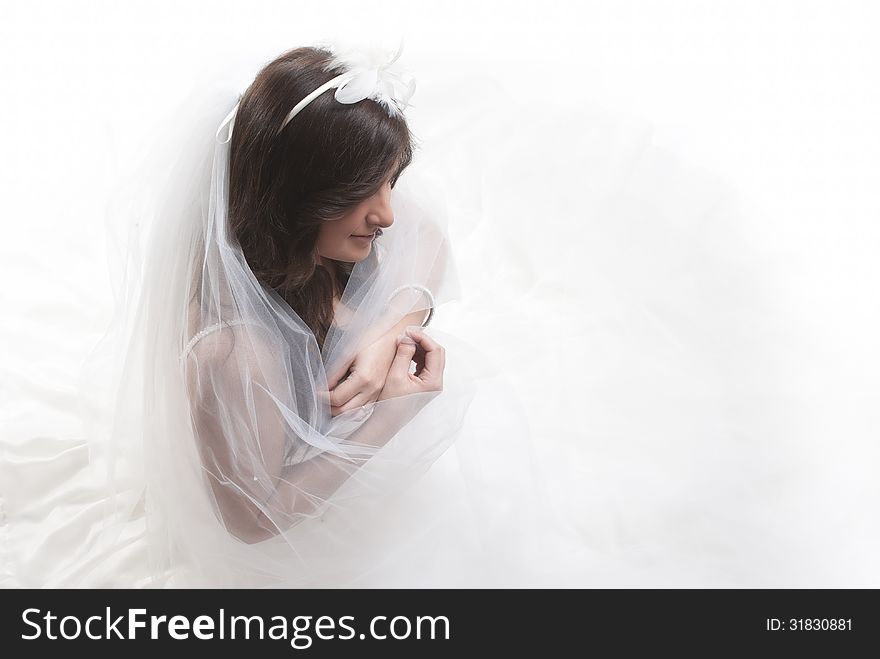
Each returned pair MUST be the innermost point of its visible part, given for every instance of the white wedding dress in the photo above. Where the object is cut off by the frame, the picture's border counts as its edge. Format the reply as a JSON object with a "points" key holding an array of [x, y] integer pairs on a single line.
{"points": [[202, 399], [648, 408]]}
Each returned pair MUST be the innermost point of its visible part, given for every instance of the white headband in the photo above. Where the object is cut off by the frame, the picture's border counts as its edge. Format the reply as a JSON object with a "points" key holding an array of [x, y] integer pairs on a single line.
{"points": [[368, 74]]}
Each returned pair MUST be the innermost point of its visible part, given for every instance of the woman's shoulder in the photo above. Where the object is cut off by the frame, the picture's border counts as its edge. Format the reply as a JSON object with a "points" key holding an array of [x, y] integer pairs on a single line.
{"points": [[220, 339]]}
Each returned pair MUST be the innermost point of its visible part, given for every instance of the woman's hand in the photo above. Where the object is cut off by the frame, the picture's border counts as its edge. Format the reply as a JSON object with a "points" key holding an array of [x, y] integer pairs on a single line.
{"points": [[430, 358], [367, 373]]}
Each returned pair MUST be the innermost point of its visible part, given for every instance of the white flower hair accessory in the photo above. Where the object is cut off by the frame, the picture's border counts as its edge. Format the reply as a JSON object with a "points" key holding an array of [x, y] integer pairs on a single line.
{"points": [[368, 72]]}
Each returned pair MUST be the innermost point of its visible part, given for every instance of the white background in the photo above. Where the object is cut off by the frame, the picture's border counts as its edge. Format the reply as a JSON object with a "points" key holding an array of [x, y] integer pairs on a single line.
{"points": [[666, 218]]}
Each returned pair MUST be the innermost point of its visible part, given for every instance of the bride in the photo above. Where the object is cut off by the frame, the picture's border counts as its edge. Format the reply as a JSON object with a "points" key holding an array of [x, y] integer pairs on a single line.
{"points": [[283, 407], [299, 217]]}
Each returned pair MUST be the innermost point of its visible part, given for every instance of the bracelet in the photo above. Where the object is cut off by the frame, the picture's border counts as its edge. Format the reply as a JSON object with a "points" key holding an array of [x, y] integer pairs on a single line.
{"points": [[424, 290]]}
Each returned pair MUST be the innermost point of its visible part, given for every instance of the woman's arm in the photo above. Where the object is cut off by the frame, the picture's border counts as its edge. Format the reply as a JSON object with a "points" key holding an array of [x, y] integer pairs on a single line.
{"points": [[243, 436], [303, 487]]}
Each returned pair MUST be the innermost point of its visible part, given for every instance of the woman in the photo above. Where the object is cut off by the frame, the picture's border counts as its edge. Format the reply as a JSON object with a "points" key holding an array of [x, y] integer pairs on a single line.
{"points": [[305, 205], [277, 377]]}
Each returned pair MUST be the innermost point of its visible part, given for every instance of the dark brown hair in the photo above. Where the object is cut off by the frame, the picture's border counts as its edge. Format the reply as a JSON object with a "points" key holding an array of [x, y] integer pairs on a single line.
{"points": [[282, 187]]}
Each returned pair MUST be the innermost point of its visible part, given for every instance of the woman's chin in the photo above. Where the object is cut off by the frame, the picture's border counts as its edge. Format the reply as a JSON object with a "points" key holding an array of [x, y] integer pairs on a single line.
{"points": [[354, 255], [360, 255]]}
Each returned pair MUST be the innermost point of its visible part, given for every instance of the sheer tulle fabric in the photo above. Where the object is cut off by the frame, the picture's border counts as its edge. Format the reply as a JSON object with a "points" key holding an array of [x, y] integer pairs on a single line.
{"points": [[248, 479]]}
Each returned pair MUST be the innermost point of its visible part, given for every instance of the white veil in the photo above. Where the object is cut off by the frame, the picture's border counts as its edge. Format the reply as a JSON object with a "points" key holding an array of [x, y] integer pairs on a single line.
{"points": [[220, 427]]}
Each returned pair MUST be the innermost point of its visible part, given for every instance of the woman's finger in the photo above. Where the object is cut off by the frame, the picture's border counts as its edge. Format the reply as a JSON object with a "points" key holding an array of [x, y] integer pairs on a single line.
{"points": [[435, 357], [406, 348], [419, 334], [358, 401], [345, 391], [334, 378]]}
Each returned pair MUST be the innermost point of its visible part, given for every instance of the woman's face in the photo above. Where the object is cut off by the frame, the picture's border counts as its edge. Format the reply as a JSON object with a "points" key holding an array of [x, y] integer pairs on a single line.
{"points": [[338, 239]]}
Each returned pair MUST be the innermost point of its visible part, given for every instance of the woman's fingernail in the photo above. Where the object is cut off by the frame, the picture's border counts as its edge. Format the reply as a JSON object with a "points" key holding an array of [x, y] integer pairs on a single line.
{"points": [[403, 338]]}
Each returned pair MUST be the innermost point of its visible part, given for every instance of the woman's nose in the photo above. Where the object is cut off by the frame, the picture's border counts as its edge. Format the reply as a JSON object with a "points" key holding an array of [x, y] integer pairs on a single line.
{"points": [[380, 221], [381, 213]]}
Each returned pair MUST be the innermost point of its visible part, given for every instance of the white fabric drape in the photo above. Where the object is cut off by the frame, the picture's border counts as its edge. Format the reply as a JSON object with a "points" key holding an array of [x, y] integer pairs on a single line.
{"points": [[220, 412], [689, 355]]}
